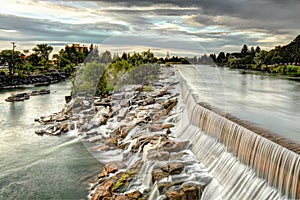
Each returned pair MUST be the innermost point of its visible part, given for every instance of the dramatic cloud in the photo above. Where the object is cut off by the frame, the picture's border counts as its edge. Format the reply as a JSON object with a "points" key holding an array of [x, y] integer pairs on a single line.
{"points": [[190, 26]]}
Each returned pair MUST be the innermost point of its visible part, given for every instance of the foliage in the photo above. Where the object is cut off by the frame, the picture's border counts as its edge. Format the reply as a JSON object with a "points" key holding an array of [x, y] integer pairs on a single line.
{"points": [[43, 51], [12, 58], [136, 68], [88, 77], [281, 59]]}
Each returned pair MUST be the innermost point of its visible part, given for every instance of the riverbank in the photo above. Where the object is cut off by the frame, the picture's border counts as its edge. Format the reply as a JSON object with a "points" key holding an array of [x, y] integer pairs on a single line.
{"points": [[133, 132], [16, 81]]}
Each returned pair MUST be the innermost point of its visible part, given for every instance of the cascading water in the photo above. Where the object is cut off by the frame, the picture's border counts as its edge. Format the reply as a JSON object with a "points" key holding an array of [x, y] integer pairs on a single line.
{"points": [[245, 164]]}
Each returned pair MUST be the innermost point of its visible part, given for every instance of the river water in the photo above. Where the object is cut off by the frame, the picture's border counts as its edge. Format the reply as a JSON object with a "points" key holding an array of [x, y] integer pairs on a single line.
{"points": [[41, 167], [269, 101], [35, 167]]}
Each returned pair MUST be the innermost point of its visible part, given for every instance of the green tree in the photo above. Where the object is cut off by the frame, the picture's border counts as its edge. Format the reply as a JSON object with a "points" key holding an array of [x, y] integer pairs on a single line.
{"points": [[43, 51], [244, 50], [105, 57], [221, 59], [12, 59]]}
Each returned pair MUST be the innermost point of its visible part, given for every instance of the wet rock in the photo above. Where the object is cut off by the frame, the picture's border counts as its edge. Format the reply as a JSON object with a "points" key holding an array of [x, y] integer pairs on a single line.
{"points": [[112, 166], [164, 186], [191, 191], [101, 148], [64, 127], [174, 195], [122, 114], [125, 103], [158, 174], [85, 127], [101, 193], [175, 168], [111, 141], [147, 101], [119, 96], [122, 197], [177, 146], [158, 155], [134, 195], [97, 138]]}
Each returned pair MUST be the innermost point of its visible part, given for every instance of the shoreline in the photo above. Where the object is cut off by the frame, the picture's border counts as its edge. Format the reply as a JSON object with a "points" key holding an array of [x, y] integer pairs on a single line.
{"points": [[15, 82]]}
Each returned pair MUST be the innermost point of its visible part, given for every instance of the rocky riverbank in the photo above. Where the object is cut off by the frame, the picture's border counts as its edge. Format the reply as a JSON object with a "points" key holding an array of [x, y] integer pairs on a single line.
{"points": [[133, 132], [7, 82]]}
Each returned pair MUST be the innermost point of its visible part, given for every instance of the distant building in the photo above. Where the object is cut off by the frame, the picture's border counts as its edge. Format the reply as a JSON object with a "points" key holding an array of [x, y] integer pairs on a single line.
{"points": [[77, 47]]}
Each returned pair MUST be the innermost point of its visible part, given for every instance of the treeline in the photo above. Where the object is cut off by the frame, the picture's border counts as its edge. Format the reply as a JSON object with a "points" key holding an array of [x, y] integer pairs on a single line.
{"points": [[281, 59], [103, 72], [39, 62]]}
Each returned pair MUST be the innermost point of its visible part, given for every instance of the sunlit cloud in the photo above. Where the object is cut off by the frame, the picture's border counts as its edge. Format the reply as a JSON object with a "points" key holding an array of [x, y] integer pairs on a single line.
{"points": [[217, 26]]}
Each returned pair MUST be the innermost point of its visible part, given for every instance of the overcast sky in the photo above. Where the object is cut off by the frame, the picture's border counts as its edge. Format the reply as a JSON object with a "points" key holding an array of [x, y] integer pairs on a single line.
{"points": [[186, 27]]}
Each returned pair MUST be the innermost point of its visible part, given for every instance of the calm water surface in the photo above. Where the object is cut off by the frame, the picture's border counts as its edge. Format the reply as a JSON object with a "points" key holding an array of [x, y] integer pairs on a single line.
{"points": [[271, 102], [40, 167]]}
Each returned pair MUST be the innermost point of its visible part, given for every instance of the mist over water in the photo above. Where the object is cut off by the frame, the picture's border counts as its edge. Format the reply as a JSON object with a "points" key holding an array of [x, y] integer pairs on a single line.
{"points": [[41, 167], [271, 102]]}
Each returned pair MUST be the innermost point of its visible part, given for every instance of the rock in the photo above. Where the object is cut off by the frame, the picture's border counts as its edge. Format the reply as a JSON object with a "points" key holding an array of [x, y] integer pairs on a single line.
{"points": [[40, 132], [64, 127], [174, 195], [101, 148], [177, 146], [112, 167], [111, 141], [85, 103], [101, 193], [119, 96], [122, 114], [85, 127], [175, 168], [72, 126], [158, 155], [191, 191], [61, 118], [147, 101], [102, 174], [108, 185], [97, 138], [122, 197], [158, 174], [134, 195], [164, 186], [125, 103]]}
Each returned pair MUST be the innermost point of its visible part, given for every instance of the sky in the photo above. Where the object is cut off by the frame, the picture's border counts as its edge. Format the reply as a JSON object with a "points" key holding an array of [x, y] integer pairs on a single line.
{"points": [[185, 27]]}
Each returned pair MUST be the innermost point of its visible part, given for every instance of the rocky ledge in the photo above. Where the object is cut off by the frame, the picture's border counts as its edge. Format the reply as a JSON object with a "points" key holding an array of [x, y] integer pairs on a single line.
{"points": [[7, 82], [26, 96], [133, 131]]}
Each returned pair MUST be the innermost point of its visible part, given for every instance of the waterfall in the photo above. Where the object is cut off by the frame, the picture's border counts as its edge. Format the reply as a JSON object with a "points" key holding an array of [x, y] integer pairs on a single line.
{"points": [[245, 164]]}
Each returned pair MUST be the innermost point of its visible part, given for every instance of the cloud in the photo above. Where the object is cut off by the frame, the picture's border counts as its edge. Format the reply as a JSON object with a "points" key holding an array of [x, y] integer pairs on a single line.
{"points": [[218, 25]]}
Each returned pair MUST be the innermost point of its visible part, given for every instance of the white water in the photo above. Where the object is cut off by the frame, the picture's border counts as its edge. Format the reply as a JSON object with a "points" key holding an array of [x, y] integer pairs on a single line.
{"points": [[244, 164]]}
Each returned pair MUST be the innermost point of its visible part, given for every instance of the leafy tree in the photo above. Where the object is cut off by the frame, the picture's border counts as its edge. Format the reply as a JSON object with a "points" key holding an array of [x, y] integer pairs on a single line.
{"points": [[43, 51], [221, 58], [105, 57], [213, 57], [12, 58], [257, 49], [244, 50]]}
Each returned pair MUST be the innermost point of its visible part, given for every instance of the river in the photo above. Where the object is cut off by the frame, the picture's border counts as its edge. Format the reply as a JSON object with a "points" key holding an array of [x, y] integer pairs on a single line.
{"points": [[269, 101], [44, 167], [41, 167]]}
